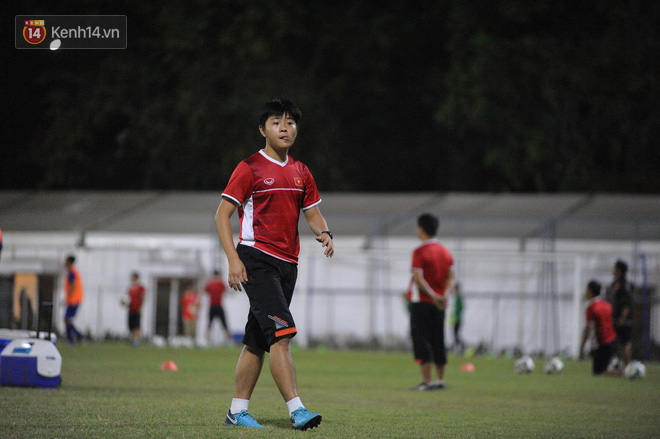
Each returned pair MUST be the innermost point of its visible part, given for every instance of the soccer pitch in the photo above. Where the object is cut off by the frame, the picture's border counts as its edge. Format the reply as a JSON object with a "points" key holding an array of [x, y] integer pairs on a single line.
{"points": [[111, 390]]}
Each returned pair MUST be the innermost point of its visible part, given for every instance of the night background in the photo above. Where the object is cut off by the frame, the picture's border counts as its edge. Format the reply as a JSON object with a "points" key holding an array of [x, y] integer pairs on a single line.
{"points": [[478, 96]]}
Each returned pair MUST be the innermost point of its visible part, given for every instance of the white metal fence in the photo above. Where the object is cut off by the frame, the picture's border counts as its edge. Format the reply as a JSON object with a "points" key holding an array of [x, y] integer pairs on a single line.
{"points": [[531, 301]]}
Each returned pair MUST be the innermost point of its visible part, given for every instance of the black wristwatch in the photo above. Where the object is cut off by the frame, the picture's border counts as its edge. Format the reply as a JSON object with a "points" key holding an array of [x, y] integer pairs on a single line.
{"points": [[328, 232]]}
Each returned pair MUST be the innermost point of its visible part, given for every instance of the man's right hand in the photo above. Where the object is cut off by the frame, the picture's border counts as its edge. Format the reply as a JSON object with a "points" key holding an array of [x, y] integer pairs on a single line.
{"points": [[237, 274]]}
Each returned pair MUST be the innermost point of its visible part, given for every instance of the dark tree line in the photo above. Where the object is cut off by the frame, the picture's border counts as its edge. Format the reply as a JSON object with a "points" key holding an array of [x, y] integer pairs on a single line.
{"points": [[407, 96]]}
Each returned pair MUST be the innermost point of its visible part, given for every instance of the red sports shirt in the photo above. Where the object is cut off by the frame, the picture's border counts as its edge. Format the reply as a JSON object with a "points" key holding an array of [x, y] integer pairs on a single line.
{"points": [[599, 312], [189, 304], [434, 261], [215, 288], [136, 294], [270, 195]]}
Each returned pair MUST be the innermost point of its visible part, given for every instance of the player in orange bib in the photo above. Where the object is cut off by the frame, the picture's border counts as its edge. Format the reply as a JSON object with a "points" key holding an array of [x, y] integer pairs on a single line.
{"points": [[73, 289]]}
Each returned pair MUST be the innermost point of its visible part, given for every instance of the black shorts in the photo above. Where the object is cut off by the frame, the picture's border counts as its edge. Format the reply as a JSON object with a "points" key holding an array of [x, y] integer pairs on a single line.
{"points": [[270, 288], [133, 320], [219, 312], [623, 334], [602, 356], [427, 327]]}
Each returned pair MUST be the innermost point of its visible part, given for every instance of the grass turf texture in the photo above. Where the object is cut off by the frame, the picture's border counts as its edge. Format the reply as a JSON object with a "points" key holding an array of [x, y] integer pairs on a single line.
{"points": [[111, 390]]}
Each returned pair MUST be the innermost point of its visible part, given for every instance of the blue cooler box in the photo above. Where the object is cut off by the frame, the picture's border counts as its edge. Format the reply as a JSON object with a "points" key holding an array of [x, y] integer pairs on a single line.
{"points": [[9, 335], [30, 362]]}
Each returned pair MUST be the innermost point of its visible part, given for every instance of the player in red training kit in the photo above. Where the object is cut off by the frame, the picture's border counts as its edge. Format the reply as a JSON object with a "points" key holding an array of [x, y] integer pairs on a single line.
{"points": [[136, 298], [432, 280], [599, 321], [269, 189], [215, 288], [189, 308]]}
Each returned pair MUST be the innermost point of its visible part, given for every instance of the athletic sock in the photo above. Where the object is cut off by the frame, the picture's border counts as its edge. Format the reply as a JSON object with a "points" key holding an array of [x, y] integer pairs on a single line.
{"points": [[238, 405], [294, 404]]}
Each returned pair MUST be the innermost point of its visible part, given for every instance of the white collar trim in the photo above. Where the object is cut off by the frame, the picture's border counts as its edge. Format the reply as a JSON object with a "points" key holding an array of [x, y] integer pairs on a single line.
{"points": [[282, 164]]}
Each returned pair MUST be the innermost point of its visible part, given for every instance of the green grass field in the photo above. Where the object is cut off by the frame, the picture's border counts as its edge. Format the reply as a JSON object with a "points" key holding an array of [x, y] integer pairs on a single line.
{"points": [[111, 390]]}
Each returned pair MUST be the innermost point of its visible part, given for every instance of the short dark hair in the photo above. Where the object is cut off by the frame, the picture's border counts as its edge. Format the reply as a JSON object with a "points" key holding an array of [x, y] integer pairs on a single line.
{"points": [[428, 223], [71, 259], [594, 287], [278, 107], [135, 274], [621, 266]]}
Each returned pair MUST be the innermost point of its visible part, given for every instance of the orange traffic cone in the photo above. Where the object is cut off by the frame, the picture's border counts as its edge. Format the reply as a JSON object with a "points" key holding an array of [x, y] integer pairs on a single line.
{"points": [[169, 365], [467, 367]]}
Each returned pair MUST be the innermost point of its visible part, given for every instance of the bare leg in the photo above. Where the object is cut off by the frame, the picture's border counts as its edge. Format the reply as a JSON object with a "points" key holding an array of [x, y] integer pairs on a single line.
{"points": [[627, 353], [440, 370], [426, 372], [247, 373], [283, 369]]}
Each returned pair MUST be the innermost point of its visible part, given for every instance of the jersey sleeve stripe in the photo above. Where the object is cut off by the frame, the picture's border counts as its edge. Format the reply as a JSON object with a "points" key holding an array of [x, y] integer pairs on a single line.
{"points": [[231, 198], [312, 205]]}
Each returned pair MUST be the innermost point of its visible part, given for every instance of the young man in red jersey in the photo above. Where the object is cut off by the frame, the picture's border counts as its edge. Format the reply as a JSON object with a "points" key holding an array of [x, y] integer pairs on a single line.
{"points": [[189, 309], [269, 189], [215, 288], [136, 294], [432, 280], [599, 321]]}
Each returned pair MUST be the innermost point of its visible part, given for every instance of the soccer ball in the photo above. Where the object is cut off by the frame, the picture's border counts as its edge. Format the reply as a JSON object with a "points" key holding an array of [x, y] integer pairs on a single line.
{"points": [[634, 370], [158, 341], [524, 364], [554, 366]]}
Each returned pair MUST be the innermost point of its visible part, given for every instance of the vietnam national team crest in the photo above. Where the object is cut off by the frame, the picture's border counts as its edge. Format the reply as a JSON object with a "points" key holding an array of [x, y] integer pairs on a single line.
{"points": [[34, 31], [298, 181]]}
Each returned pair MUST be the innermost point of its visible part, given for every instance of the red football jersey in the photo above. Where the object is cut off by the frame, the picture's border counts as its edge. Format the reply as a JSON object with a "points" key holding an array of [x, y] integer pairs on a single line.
{"points": [[599, 312], [189, 305], [136, 293], [434, 261], [215, 288], [270, 195]]}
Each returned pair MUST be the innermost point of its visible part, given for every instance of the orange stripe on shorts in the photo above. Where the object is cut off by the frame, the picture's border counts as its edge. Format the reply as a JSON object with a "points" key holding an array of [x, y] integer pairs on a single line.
{"points": [[285, 332]]}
